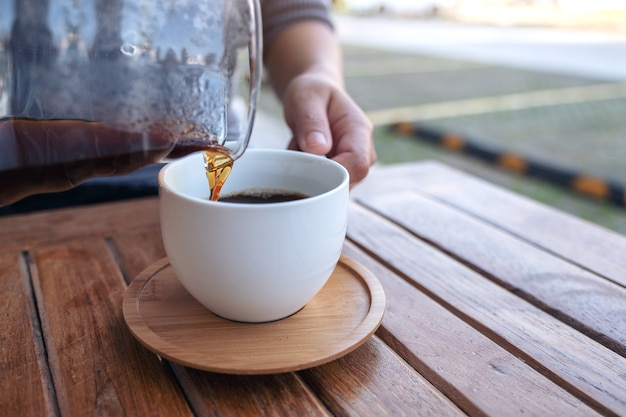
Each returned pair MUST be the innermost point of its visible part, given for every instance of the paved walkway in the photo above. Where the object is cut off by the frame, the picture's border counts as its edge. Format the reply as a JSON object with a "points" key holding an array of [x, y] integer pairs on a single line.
{"points": [[592, 54]]}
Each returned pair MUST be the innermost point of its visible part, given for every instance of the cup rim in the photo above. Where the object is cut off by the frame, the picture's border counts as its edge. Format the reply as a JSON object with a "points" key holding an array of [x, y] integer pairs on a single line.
{"points": [[299, 154]]}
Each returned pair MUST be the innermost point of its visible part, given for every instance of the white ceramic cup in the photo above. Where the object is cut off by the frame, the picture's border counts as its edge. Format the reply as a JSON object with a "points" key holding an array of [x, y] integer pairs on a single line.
{"points": [[255, 262]]}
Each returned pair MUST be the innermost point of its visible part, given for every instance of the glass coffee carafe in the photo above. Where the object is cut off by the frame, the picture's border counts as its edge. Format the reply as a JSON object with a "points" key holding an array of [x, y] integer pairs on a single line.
{"points": [[102, 87]]}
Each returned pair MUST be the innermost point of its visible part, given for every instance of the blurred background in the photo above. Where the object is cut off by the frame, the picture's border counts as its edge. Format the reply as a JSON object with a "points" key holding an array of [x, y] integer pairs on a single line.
{"points": [[535, 91]]}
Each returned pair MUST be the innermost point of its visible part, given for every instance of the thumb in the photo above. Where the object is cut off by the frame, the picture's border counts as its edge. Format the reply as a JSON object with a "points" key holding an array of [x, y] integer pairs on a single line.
{"points": [[310, 127], [314, 142]]}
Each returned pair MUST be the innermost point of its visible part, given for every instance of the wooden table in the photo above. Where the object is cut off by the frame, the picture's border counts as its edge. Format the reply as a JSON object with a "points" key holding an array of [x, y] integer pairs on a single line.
{"points": [[496, 306]]}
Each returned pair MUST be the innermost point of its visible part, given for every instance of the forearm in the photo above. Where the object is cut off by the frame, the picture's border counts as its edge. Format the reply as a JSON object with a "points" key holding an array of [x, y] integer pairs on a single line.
{"points": [[305, 47]]}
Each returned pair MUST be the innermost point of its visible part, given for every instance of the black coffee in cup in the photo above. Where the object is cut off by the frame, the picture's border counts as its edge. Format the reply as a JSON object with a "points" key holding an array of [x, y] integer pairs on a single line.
{"points": [[262, 197]]}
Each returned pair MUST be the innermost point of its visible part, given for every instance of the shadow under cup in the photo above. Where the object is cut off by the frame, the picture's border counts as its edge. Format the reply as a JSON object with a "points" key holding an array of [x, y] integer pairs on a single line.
{"points": [[255, 262]]}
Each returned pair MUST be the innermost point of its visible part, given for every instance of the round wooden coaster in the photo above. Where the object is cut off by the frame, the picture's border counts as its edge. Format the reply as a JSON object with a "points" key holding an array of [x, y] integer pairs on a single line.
{"points": [[165, 318]]}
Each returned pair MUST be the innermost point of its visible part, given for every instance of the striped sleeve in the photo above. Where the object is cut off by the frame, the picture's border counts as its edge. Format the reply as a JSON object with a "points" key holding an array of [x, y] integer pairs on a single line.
{"points": [[277, 15]]}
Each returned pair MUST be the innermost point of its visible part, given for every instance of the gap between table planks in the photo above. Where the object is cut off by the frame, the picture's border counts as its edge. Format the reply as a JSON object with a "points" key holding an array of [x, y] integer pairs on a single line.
{"points": [[405, 343], [588, 245], [383, 376], [114, 373], [454, 352], [479, 300], [26, 386]]}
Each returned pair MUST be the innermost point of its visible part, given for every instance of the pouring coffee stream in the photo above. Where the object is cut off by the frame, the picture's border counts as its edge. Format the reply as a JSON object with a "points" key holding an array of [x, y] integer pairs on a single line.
{"points": [[98, 88], [217, 164]]}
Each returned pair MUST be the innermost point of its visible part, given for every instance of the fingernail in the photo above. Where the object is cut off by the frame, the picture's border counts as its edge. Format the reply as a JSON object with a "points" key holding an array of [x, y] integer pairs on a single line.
{"points": [[315, 139]]}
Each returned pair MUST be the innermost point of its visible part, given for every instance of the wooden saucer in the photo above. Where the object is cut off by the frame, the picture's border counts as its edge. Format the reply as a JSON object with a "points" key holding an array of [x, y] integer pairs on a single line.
{"points": [[165, 318]]}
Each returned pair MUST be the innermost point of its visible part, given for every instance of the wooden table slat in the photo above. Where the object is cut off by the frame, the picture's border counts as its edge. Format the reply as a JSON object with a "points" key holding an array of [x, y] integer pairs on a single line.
{"points": [[480, 376], [25, 381], [136, 251], [236, 395], [26, 231], [372, 381], [589, 245], [533, 274], [97, 366], [587, 368], [496, 306]]}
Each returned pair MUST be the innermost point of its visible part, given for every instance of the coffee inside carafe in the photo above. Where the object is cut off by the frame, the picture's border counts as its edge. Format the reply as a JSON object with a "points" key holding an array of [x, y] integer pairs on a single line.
{"points": [[55, 166], [95, 88]]}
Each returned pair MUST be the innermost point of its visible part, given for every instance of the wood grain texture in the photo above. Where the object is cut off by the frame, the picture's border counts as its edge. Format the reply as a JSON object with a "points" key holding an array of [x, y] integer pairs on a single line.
{"points": [[448, 335], [22, 232], [372, 381], [97, 366], [591, 304], [249, 395], [137, 251], [25, 384], [493, 305], [591, 246], [168, 320]]}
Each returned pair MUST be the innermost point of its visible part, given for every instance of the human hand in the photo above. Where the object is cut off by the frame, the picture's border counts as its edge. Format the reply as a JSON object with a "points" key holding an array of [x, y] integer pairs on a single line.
{"points": [[326, 121]]}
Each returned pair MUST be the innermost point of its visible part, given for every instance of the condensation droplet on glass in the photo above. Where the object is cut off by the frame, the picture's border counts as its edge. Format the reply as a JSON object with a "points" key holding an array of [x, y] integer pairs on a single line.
{"points": [[129, 49]]}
